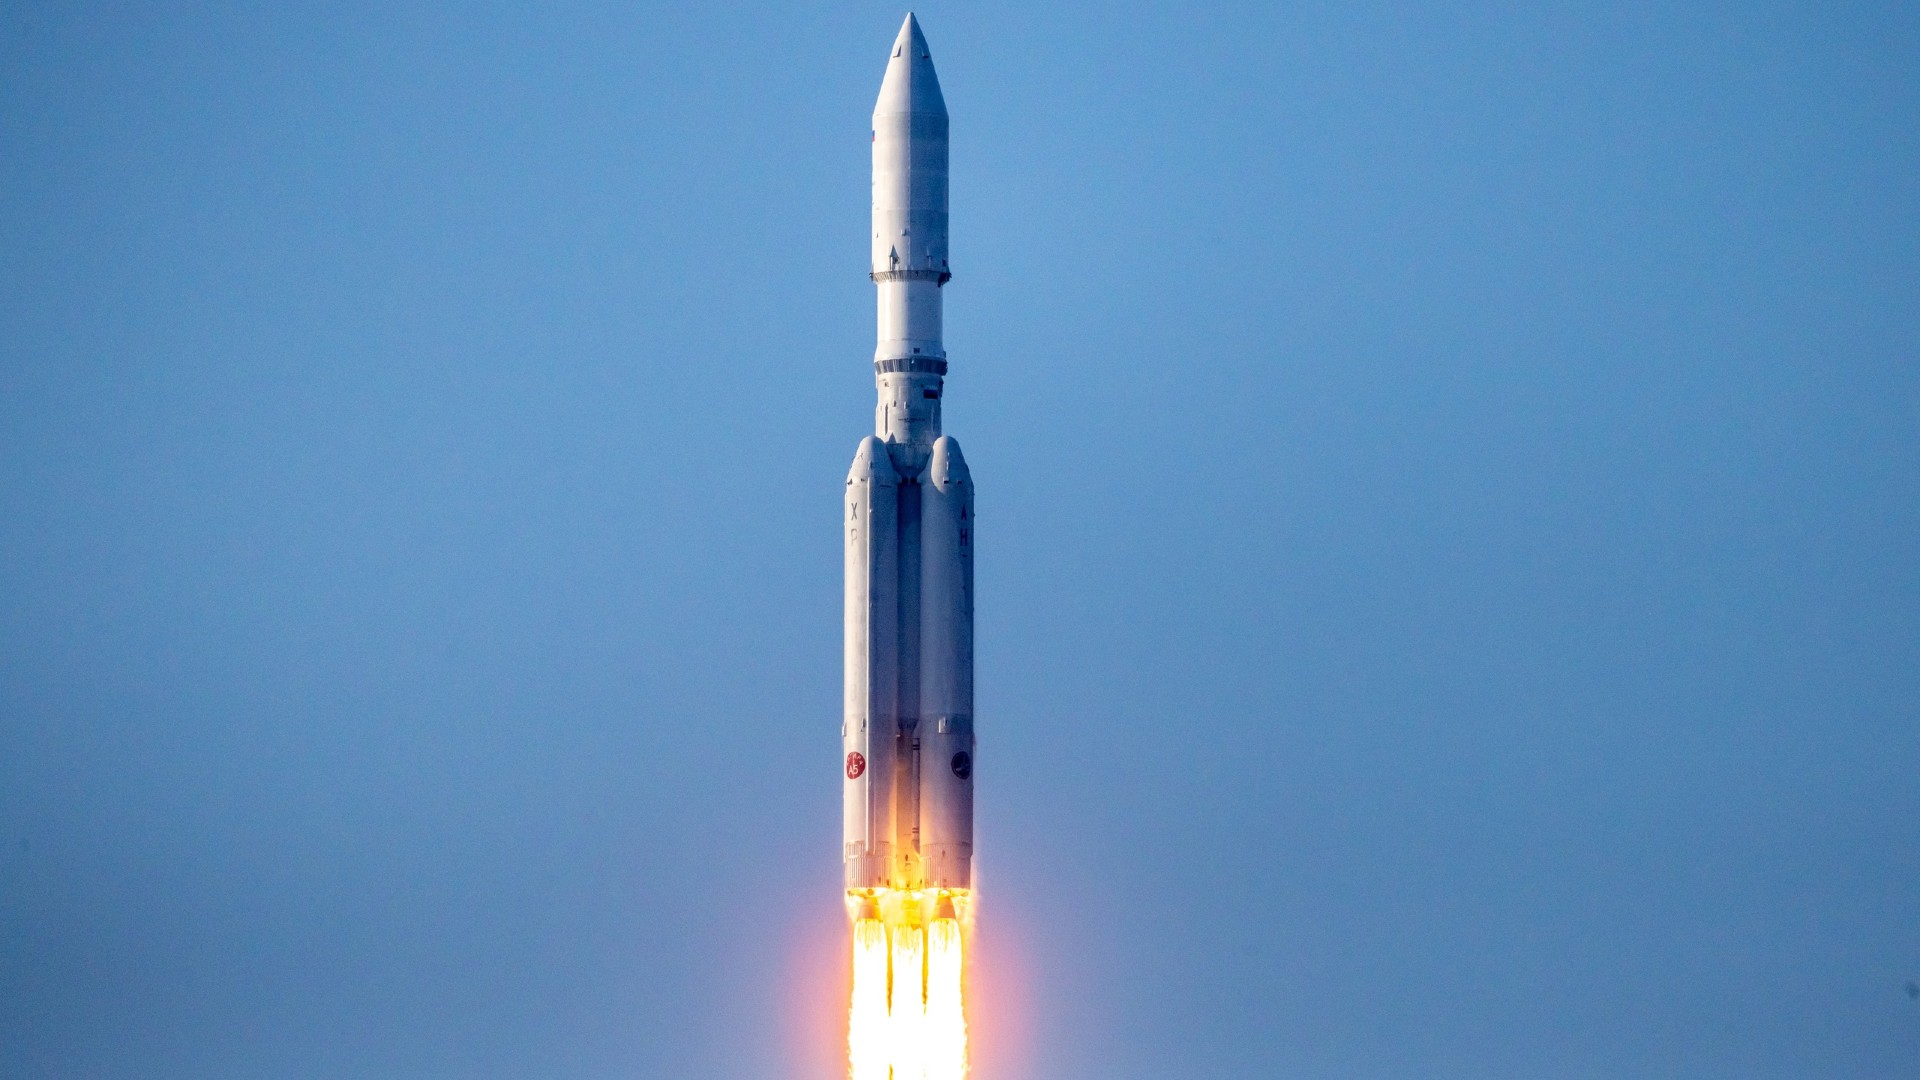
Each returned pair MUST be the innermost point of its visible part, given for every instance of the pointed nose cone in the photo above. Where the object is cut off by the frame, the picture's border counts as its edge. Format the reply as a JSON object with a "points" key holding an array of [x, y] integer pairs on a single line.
{"points": [[910, 85]]}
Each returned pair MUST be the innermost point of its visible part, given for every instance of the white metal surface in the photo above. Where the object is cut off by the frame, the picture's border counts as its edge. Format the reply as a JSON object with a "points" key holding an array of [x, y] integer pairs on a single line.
{"points": [[946, 668], [908, 716], [909, 263], [870, 718]]}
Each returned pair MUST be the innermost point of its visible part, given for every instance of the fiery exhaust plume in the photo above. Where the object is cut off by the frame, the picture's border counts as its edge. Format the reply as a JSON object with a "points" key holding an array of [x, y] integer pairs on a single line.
{"points": [[946, 1023], [907, 1020], [868, 1043]]}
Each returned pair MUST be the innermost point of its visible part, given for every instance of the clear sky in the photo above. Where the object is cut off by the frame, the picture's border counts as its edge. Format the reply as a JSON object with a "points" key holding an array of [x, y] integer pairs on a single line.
{"points": [[1449, 575]]}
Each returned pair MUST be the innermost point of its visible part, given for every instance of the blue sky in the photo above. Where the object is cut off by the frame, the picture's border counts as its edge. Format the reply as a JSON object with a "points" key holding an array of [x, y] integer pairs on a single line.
{"points": [[1449, 575]]}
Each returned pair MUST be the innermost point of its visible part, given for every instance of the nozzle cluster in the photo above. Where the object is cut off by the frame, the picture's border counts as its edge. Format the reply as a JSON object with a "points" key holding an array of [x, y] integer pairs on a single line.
{"points": [[910, 907]]}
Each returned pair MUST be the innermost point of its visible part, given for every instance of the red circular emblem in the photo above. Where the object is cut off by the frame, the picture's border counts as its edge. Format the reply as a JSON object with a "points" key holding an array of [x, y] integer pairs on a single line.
{"points": [[855, 765]]}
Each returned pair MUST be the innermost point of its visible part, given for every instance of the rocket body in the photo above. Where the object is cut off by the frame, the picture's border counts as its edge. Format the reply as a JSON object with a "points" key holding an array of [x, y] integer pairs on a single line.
{"points": [[907, 728]]}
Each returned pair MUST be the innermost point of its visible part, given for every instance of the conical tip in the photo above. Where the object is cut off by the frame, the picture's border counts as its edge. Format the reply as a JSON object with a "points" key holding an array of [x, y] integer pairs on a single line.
{"points": [[910, 42], [910, 84]]}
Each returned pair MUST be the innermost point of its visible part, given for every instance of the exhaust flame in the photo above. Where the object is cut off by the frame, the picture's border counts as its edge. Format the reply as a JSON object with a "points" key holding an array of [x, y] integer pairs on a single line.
{"points": [[867, 1033], [907, 1007], [946, 1023], [907, 1020]]}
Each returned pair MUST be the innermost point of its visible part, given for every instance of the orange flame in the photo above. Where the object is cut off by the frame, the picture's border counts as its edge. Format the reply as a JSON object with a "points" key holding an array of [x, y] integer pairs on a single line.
{"points": [[907, 1019], [868, 1049]]}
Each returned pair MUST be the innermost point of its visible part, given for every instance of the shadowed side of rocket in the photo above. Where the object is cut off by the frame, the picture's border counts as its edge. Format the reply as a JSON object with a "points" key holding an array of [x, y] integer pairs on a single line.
{"points": [[908, 720]]}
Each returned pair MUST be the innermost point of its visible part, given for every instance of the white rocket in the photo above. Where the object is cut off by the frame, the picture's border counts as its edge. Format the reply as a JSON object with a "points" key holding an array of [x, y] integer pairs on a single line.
{"points": [[908, 720]]}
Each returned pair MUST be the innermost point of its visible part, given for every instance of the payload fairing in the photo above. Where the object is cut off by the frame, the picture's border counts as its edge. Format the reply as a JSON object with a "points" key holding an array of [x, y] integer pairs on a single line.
{"points": [[907, 725]]}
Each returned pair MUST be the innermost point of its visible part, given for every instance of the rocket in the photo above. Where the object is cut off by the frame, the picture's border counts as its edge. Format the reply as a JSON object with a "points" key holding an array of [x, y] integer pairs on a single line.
{"points": [[907, 727]]}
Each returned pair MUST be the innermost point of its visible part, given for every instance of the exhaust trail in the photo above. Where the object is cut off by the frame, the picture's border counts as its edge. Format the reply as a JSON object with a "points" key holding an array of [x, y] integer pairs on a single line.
{"points": [[869, 1043], [946, 1022], [908, 1006]]}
